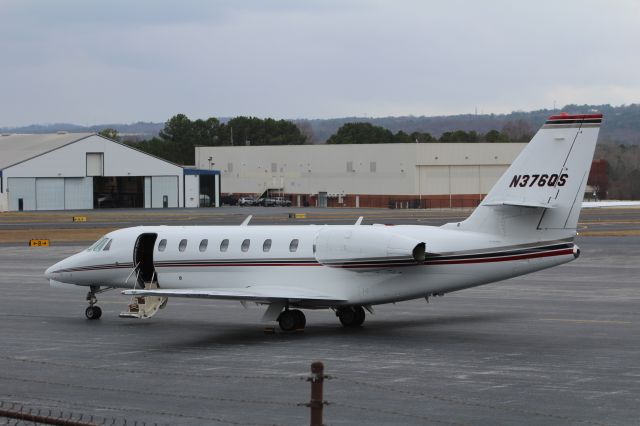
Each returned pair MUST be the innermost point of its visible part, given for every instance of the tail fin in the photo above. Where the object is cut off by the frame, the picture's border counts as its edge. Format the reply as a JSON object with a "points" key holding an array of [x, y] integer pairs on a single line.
{"points": [[540, 195]]}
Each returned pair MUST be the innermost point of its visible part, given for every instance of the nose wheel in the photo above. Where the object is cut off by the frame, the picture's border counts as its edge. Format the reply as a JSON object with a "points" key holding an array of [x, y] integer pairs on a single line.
{"points": [[93, 312]]}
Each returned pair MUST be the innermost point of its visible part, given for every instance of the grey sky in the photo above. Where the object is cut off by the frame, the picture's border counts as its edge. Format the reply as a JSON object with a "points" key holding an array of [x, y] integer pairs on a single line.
{"points": [[92, 62]]}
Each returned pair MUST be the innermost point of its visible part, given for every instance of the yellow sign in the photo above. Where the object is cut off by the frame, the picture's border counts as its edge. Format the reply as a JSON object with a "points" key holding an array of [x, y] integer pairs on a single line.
{"points": [[79, 218], [39, 243], [301, 216]]}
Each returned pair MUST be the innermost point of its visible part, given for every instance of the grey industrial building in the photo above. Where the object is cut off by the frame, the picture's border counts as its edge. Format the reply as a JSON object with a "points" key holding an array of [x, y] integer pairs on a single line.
{"points": [[364, 175]]}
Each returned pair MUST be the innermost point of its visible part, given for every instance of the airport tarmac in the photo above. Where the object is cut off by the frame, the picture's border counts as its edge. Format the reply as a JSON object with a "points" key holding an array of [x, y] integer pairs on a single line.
{"points": [[559, 346]]}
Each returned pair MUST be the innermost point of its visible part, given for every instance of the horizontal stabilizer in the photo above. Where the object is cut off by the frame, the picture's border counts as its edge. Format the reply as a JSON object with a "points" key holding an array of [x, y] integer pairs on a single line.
{"points": [[256, 294], [530, 204]]}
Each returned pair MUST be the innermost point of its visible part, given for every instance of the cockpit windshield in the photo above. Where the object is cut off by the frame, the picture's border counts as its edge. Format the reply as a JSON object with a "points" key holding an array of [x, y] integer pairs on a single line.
{"points": [[103, 242]]}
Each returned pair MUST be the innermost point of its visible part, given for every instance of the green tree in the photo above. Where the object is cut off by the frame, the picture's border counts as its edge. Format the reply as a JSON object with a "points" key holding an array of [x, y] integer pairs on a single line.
{"points": [[419, 137], [495, 136], [351, 133], [256, 131], [459, 136], [110, 133]]}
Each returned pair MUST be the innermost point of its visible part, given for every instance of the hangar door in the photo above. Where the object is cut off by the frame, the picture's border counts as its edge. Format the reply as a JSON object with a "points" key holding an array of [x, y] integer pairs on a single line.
{"points": [[50, 193], [22, 193], [78, 193], [164, 191]]}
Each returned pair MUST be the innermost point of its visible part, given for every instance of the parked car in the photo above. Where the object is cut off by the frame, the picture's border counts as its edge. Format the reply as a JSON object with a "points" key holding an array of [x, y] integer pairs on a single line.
{"points": [[229, 200], [266, 202], [247, 201], [282, 202]]}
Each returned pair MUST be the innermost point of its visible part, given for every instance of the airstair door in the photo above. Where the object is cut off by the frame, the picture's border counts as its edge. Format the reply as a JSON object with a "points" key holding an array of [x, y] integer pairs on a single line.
{"points": [[143, 258]]}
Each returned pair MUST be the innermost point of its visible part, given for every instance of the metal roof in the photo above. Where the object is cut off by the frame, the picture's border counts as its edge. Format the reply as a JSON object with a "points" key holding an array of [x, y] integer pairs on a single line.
{"points": [[16, 148]]}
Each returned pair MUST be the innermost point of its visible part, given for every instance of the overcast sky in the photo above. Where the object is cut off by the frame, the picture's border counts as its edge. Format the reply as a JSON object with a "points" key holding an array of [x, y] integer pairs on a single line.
{"points": [[91, 62]]}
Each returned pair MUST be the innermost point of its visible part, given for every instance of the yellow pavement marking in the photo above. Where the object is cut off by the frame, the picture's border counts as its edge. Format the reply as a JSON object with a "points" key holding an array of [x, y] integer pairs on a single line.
{"points": [[586, 321], [612, 233]]}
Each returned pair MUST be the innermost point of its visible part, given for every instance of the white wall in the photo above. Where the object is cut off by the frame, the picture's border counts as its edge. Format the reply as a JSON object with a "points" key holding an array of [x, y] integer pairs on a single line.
{"points": [[24, 188], [192, 191], [4, 202], [164, 186]]}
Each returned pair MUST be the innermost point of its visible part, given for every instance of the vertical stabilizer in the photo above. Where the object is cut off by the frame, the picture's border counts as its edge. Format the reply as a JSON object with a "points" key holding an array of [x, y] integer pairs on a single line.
{"points": [[540, 195]]}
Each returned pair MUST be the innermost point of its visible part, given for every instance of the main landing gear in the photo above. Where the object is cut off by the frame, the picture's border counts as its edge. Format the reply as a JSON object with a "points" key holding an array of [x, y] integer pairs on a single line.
{"points": [[351, 316], [292, 319], [93, 312]]}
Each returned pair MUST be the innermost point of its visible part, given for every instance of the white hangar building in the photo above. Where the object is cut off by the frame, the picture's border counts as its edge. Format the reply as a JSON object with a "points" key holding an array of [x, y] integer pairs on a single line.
{"points": [[426, 175], [67, 171]]}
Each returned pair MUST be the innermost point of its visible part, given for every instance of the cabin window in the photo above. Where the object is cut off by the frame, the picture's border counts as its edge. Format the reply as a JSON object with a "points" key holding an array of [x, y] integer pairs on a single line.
{"points": [[266, 246], [162, 245], [203, 244], [108, 246], [293, 246], [224, 245], [183, 245], [314, 248], [245, 245]]}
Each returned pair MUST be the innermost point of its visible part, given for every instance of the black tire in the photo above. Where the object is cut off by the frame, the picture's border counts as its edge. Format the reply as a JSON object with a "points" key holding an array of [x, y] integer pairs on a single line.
{"points": [[351, 316], [287, 320], [93, 312], [301, 320], [360, 315]]}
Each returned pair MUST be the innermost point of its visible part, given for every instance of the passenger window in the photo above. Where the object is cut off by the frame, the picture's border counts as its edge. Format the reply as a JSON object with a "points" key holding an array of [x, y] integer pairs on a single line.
{"points": [[203, 245], [162, 245], [183, 245], [224, 245], [108, 246], [245, 245], [294, 245], [266, 246]]}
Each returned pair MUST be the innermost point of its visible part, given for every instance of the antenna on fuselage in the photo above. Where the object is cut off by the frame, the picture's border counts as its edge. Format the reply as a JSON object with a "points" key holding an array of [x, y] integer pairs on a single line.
{"points": [[359, 221], [246, 221]]}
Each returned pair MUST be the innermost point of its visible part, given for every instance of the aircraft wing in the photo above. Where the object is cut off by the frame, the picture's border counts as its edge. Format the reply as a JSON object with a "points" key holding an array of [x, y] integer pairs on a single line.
{"points": [[254, 294]]}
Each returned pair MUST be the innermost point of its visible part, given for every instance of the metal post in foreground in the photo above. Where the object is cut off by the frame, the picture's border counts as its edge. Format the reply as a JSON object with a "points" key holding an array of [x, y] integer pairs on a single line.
{"points": [[316, 403]]}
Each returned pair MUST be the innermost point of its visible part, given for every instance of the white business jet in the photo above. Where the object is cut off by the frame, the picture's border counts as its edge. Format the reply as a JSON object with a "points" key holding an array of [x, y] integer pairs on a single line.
{"points": [[526, 223]]}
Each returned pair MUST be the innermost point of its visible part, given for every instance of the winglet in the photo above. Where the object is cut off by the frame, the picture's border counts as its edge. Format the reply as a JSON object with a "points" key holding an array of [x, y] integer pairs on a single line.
{"points": [[246, 221], [359, 221]]}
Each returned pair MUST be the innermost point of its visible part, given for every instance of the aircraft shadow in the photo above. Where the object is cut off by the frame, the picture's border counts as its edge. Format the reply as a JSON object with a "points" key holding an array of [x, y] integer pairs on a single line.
{"points": [[373, 330]]}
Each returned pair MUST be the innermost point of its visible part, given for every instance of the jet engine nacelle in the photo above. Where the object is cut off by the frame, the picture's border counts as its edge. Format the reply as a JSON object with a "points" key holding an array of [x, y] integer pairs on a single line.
{"points": [[364, 248]]}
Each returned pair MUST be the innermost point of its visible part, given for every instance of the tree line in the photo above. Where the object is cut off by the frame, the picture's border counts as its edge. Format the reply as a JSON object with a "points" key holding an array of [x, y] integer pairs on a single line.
{"points": [[180, 135], [355, 133]]}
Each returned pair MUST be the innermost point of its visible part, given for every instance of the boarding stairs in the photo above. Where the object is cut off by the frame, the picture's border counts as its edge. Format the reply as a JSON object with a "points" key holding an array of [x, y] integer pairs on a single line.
{"points": [[145, 306]]}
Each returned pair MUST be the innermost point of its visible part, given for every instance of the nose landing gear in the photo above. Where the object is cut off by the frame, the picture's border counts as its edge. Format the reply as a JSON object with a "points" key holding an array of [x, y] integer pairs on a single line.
{"points": [[93, 312]]}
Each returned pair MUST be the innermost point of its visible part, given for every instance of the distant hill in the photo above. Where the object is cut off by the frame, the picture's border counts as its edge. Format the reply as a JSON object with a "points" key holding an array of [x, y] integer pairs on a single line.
{"points": [[621, 124], [139, 130]]}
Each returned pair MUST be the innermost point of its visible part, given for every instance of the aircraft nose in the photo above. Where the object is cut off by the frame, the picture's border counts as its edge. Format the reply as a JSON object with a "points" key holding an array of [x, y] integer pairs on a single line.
{"points": [[48, 274]]}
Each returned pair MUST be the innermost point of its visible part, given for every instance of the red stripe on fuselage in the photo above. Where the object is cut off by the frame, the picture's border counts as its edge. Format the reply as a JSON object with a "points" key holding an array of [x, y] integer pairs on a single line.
{"points": [[428, 262], [560, 252]]}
